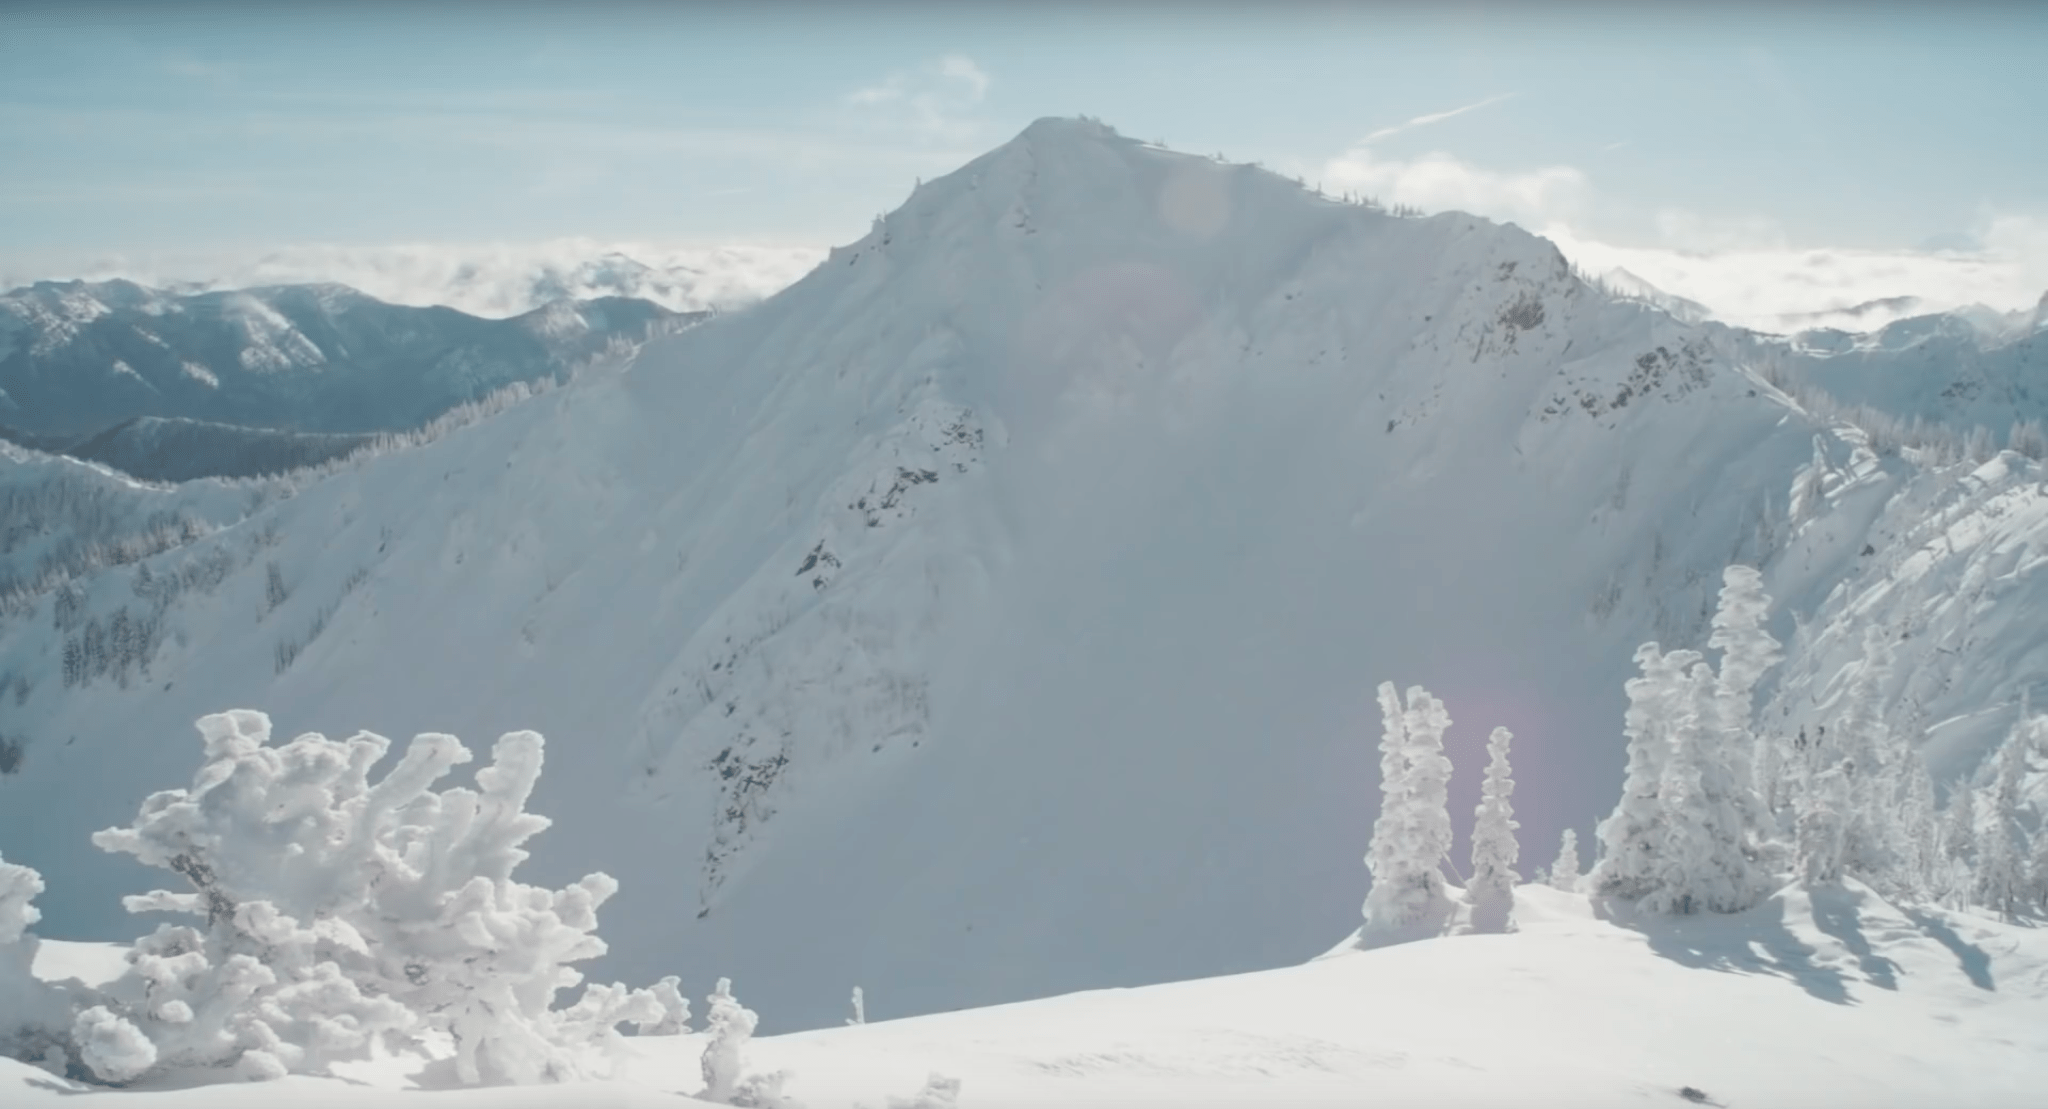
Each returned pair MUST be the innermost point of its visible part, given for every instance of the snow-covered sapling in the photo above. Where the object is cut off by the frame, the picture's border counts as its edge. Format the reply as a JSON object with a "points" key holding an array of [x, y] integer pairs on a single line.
{"points": [[1494, 850], [675, 1009], [729, 1025], [860, 1008], [1564, 873]]}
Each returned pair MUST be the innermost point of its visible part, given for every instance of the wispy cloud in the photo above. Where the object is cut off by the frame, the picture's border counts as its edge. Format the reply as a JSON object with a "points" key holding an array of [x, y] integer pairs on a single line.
{"points": [[1433, 117], [935, 100]]}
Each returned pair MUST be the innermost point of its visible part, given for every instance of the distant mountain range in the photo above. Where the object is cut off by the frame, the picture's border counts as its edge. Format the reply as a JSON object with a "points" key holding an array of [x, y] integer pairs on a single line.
{"points": [[483, 279], [171, 387]]}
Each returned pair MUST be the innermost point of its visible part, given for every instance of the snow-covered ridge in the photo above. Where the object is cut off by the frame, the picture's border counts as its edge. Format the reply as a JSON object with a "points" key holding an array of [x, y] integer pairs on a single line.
{"points": [[77, 357], [1010, 590]]}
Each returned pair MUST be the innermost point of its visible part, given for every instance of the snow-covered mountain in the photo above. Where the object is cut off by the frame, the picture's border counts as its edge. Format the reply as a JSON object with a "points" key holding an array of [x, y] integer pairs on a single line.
{"points": [[996, 612], [79, 357], [1964, 370]]}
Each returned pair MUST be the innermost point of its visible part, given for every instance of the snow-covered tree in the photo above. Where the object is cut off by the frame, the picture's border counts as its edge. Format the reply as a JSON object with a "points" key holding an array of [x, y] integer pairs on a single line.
{"points": [[2001, 878], [675, 1009], [1412, 836], [33, 1016], [19, 886], [1702, 864], [1564, 872], [1958, 844], [728, 1026], [1820, 825], [1491, 890], [1920, 849], [335, 909], [1747, 652], [860, 1008], [1868, 824], [1630, 838]]}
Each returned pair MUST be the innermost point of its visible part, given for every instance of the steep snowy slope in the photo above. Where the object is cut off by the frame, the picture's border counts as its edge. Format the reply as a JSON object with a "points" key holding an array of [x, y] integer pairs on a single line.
{"points": [[78, 357], [996, 611]]}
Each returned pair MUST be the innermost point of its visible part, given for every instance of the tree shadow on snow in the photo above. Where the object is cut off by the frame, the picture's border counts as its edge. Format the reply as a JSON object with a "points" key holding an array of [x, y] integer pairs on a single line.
{"points": [[1753, 942], [1838, 917], [1975, 963]]}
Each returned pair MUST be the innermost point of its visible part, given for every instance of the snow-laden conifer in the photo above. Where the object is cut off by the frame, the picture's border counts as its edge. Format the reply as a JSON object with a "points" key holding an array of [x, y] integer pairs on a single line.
{"points": [[1737, 875], [1630, 838], [1919, 834], [1820, 825], [1412, 835], [1564, 872], [1702, 866], [2001, 871], [1747, 652], [1868, 819], [1958, 844], [1491, 890]]}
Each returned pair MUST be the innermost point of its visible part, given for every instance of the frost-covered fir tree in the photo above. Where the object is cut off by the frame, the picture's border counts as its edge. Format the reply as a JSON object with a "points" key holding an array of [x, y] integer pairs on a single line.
{"points": [[1702, 864], [1868, 825], [1747, 652], [1958, 844], [2001, 880], [1564, 873], [1919, 836], [1412, 835], [1630, 838], [1494, 850], [1820, 825]]}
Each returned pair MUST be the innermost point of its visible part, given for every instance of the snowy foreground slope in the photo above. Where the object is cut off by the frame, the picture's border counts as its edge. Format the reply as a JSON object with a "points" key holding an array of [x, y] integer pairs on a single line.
{"points": [[995, 613], [1830, 998]]}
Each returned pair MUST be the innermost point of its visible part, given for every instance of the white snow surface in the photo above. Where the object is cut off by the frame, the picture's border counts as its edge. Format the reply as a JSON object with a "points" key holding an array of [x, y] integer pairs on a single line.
{"points": [[995, 613], [1829, 998]]}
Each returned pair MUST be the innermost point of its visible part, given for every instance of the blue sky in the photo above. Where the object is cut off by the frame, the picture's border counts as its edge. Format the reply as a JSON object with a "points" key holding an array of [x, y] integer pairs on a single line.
{"points": [[179, 126]]}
